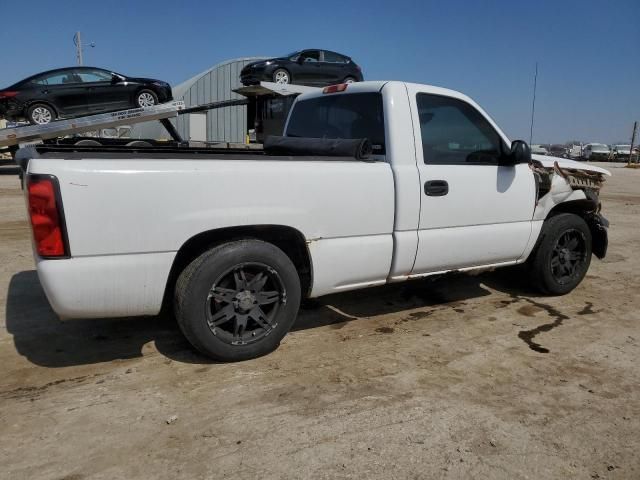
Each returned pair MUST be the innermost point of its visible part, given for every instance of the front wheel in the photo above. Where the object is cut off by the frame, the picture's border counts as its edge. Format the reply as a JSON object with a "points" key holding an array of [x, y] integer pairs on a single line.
{"points": [[146, 98], [349, 80], [281, 76], [237, 300], [562, 256]]}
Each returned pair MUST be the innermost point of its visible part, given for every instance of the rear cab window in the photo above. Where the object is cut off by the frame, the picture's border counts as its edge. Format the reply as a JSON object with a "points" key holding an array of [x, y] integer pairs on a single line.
{"points": [[348, 116]]}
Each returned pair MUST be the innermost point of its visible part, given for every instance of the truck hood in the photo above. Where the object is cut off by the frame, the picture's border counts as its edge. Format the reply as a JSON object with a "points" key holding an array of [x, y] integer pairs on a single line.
{"points": [[548, 162]]}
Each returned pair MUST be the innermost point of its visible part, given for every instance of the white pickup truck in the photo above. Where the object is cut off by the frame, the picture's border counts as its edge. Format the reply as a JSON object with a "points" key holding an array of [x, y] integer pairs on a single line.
{"points": [[236, 240]]}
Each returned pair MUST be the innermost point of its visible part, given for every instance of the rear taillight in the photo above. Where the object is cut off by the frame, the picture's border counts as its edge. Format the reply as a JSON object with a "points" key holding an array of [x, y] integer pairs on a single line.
{"points": [[8, 94], [45, 213], [341, 87]]}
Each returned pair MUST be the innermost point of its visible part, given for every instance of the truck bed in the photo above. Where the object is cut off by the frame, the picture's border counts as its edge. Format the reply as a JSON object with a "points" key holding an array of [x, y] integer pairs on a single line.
{"points": [[74, 152]]}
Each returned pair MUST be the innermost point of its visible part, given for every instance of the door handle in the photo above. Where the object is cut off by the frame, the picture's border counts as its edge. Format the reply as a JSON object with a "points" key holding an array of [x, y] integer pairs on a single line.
{"points": [[436, 188]]}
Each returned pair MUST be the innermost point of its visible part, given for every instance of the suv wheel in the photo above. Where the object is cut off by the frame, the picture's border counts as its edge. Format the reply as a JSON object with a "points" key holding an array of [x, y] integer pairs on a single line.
{"points": [[563, 254], [238, 300]]}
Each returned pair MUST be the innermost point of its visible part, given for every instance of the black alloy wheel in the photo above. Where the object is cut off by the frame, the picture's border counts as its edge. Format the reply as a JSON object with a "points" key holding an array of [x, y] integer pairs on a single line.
{"points": [[243, 303], [562, 255], [568, 256], [238, 299]]}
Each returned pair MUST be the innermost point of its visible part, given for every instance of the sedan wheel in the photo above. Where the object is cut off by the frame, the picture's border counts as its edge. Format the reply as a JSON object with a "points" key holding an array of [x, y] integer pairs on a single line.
{"points": [[40, 115], [146, 99], [281, 76], [349, 80]]}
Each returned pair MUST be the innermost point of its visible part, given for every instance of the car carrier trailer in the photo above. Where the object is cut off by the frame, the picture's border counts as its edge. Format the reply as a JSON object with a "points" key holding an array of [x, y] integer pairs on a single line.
{"points": [[66, 132]]}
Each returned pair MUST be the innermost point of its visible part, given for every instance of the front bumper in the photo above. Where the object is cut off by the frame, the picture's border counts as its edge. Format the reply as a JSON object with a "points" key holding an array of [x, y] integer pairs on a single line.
{"points": [[252, 76], [165, 94]]}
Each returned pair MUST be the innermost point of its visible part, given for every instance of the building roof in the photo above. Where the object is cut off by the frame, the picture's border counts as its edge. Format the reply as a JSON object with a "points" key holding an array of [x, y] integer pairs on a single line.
{"points": [[180, 89]]}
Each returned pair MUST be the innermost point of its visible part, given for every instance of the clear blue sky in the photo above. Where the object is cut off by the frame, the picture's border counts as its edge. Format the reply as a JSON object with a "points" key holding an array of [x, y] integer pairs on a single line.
{"points": [[588, 51]]}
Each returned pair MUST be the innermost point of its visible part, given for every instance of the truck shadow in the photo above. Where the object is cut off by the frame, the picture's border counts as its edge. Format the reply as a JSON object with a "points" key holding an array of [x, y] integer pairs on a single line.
{"points": [[45, 340]]}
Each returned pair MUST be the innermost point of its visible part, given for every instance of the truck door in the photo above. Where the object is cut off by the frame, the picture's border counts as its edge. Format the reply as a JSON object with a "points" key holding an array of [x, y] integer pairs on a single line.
{"points": [[473, 212]]}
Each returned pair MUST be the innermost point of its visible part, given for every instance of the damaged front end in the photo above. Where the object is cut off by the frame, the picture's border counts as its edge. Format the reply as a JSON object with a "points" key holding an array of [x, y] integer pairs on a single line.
{"points": [[568, 186]]}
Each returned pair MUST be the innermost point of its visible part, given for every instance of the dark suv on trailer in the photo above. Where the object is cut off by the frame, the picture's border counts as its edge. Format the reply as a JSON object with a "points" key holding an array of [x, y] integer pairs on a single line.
{"points": [[77, 91], [306, 67]]}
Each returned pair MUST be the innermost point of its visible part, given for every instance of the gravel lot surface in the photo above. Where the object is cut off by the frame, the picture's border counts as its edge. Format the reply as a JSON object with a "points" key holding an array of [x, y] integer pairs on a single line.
{"points": [[463, 377]]}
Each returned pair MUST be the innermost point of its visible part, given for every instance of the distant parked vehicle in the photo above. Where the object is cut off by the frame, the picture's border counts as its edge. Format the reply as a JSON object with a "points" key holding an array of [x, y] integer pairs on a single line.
{"points": [[575, 151], [77, 91], [306, 67], [558, 150], [595, 152], [539, 150], [620, 153]]}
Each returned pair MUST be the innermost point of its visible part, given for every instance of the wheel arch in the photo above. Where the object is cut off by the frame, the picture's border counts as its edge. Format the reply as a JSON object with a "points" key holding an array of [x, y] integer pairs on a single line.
{"points": [[587, 209], [142, 87], [288, 239], [281, 68], [31, 103]]}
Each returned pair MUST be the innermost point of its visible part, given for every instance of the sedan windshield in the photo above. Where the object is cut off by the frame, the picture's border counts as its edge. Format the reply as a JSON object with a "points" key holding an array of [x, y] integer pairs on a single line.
{"points": [[291, 55]]}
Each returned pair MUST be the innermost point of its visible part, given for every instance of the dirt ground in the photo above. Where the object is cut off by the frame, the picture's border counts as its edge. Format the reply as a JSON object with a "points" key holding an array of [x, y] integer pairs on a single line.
{"points": [[464, 377]]}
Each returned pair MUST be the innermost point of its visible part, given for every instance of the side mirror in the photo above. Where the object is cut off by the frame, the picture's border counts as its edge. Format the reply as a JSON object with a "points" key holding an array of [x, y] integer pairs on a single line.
{"points": [[520, 153], [300, 60], [115, 78]]}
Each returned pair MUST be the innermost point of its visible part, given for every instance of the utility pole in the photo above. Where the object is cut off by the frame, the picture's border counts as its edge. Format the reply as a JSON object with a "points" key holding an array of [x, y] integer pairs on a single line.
{"points": [[77, 39], [533, 104], [633, 141]]}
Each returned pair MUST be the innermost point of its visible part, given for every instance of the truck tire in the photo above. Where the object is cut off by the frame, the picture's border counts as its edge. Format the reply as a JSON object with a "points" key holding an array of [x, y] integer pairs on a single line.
{"points": [[237, 301], [562, 256]]}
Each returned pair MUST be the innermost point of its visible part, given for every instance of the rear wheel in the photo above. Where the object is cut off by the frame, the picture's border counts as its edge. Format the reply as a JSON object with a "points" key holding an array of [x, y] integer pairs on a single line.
{"points": [[40, 114], [563, 254], [146, 98], [238, 300], [349, 80]]}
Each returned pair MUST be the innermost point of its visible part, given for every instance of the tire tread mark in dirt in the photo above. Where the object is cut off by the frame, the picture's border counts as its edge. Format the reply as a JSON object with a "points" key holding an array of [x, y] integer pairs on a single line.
{"points": [[528, 335]]}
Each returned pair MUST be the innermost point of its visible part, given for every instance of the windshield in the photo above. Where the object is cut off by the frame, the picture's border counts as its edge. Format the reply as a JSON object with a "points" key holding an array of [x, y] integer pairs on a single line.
{"points": [[623, 147], [357, 115], [599, 147], [291, 55]]}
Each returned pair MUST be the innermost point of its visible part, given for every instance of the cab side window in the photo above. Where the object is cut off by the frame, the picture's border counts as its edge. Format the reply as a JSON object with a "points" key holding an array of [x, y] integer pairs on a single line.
{"points": [[60, 78], [90, 76], [455, 133], [310, 56]]}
